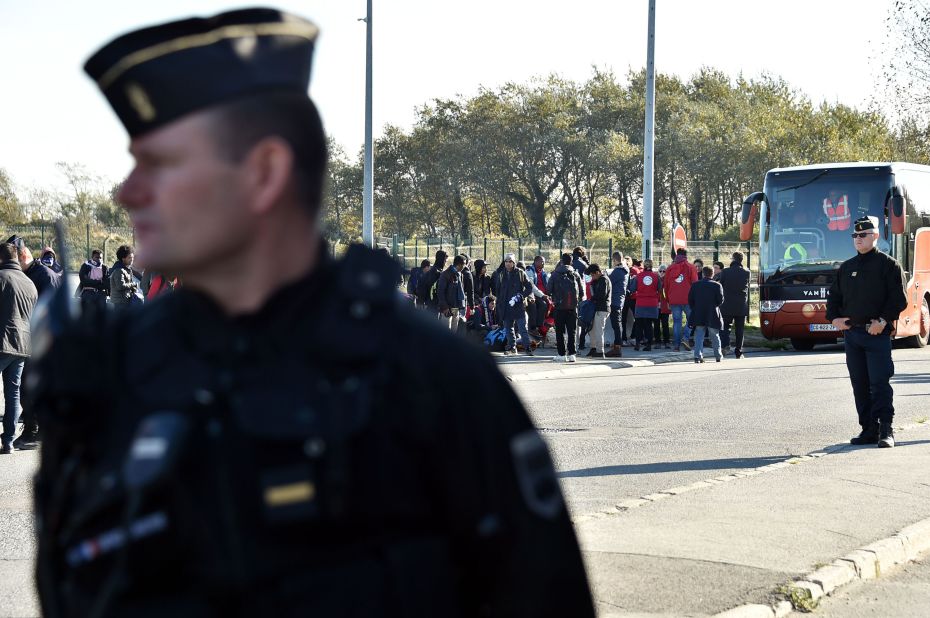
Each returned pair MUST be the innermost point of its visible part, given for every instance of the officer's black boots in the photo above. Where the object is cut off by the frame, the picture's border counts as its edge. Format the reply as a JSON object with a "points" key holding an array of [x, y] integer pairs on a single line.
{"points": [[886, 436], [869, 435]]}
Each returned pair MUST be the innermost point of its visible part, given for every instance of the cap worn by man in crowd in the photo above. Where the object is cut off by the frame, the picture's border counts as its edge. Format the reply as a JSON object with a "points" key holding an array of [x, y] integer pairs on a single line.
{"points": [[510, 257], [865, 224], [157, 74], [17, 241]]}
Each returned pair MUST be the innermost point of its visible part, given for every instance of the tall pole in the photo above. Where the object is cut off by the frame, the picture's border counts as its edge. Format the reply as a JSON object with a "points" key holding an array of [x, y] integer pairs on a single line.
{"points": [[368, 209], [649, 137]]}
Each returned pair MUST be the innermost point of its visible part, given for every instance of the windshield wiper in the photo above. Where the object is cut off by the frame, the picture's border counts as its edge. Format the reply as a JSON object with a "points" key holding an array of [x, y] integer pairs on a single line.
{"points": [[804, 184]]}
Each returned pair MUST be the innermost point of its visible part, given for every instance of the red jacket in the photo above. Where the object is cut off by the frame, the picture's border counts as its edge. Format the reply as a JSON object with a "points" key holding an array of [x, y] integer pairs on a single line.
{"points": [[648, 289], [678, 279]]}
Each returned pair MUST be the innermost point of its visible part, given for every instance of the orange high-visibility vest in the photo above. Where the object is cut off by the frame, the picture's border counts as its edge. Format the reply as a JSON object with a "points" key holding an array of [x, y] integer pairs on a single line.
{"points": [[839, 216]]}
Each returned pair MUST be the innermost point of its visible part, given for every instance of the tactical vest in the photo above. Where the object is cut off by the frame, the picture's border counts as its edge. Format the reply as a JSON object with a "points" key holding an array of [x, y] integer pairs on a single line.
{"points": [[225, 477]]}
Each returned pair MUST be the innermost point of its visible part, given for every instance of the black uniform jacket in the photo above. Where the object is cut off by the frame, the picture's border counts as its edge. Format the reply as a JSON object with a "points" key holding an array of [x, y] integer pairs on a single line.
{"points": [[867, 287], [317, 463]]}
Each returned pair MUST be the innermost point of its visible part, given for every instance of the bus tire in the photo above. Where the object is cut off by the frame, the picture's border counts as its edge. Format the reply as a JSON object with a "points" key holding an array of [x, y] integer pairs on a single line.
{"points": [[921, 339], [802, 345]]}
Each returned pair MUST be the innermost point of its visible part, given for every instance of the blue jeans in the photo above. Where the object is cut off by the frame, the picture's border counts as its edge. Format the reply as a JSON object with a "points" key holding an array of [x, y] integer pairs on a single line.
{"points": [[12, 368], [676, 319], [520, 323], [699, 341], [868, 358]]}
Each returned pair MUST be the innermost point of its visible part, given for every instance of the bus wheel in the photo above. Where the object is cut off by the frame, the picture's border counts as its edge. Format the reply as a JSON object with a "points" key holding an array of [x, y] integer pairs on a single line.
{"points": [[802, 345], [922, 339]]}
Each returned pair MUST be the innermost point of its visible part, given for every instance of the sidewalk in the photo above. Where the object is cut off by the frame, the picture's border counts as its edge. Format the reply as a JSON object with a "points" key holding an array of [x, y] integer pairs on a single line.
{"points": [[540, 366], [706, 548]]}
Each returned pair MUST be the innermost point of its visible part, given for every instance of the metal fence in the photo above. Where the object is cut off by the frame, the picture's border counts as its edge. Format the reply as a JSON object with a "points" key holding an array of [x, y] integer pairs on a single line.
{"points": [[80, 240]]}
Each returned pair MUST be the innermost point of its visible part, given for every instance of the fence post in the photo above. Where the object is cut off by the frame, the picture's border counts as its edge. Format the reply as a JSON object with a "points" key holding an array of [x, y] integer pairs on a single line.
{"points": [[42, 227], [440, 243], [416, 251], [87, 238], [503, 251], [485, 258], [561, 247], [610, 251], [748, 254], [716, 250], [539, 246]]}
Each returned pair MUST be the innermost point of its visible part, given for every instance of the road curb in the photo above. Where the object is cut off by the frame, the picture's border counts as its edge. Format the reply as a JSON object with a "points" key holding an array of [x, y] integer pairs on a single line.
{"points": [[875, 560]]}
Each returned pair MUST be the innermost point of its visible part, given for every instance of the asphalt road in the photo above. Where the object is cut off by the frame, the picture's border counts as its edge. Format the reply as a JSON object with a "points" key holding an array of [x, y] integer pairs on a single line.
{"points": [[642, 430], [905, 594]]}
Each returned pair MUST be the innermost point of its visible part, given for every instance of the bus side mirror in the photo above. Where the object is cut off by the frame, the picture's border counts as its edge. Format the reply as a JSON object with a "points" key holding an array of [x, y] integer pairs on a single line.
{"points": [[748, 216], [896, 211]]}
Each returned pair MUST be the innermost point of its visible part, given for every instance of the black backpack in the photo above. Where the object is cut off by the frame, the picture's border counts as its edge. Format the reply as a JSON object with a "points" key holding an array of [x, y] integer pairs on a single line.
{"points": [[426, 287], [568, 291]]}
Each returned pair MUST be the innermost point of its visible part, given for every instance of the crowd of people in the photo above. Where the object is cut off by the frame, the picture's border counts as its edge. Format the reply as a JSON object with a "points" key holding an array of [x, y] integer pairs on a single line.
{"points": [[23, 279], [512, 308]]}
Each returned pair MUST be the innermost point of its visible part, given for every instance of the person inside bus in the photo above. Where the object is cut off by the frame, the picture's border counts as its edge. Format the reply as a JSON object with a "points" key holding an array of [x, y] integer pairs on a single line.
{"points": [[836, 209], [795, 251]]}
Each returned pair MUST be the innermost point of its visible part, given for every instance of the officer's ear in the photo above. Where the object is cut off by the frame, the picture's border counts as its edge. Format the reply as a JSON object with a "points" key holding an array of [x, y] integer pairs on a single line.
{"points": [[268, 172]]}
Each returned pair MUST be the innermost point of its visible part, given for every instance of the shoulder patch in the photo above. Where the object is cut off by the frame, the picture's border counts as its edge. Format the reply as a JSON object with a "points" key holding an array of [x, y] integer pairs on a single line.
{"points": [[536, 474]]}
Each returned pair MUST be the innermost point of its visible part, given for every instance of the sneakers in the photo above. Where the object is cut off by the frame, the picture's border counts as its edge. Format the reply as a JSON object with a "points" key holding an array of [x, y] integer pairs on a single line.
{"points": [[868, 435], [885, 436], [27, 441], [529, 352], [571, 358], [510, 352], [6, 449], [738, 354], [615, 352], [592, 352], [698, 360], [558, 359]]}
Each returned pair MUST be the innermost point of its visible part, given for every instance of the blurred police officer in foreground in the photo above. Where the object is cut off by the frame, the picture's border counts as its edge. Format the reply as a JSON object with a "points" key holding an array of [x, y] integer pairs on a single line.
{"points": [[865, 299], [267, 443]]}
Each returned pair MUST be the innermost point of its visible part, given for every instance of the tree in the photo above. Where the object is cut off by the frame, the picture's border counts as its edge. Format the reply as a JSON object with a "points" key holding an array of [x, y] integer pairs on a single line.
{"points": [[12, 211]]}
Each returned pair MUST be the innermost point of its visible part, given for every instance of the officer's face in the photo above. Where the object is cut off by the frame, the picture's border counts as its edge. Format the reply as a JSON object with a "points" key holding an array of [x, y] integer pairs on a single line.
{"points": [[186, 203], [866, 243]]}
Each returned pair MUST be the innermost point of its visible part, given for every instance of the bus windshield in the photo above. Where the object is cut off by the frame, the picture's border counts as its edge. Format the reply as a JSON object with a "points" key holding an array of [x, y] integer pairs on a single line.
{"points": [[810, 215]]}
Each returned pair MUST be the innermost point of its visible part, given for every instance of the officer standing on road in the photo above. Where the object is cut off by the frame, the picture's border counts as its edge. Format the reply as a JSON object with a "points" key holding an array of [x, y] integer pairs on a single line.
{"points": [[275, 448], [865, 299]]}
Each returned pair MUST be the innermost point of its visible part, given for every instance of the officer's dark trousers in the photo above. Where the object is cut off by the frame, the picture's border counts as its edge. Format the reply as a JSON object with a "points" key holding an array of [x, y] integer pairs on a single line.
{"points": [[868, 358], [565, 324], [615, 313]]}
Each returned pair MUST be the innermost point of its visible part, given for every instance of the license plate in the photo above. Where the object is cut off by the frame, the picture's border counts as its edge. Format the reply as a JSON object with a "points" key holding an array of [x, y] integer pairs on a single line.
{"points": [[821, 327]]}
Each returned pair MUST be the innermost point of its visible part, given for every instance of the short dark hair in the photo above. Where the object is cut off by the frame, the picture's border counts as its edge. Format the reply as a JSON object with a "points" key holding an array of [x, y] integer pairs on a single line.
{"points": [[8, 252], [291, 116], [441, 256], [681, 251], [699, 261], [96, 252], [720, 264], [425, 263], [566, 258], [123, 251], [617, 256], [737, 257], [578, 251], [459, 259], [593, 268], [707, 271], [539, 257], [637, 262]]}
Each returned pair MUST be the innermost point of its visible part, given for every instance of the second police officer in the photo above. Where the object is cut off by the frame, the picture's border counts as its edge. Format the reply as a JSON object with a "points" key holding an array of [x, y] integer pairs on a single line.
{"points": [[864, 302]]}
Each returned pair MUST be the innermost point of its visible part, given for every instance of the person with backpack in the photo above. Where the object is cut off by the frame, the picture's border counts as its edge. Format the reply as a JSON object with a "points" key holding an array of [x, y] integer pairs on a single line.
{"points": [[415, 273], [426, 286], [566, 290], [512, 288]]}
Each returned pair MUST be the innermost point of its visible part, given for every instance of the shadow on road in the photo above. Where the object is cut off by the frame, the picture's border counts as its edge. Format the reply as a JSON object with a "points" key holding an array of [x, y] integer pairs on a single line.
{"points": [[673, 466]]}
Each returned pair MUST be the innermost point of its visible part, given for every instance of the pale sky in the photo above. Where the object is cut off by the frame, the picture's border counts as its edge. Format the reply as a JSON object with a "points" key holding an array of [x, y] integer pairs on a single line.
{"points": [[424, 49]]}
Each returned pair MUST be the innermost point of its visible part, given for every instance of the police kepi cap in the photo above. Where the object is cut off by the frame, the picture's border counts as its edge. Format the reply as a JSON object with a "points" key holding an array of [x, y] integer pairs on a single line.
{"points": [[866, 224], [158, 74]]}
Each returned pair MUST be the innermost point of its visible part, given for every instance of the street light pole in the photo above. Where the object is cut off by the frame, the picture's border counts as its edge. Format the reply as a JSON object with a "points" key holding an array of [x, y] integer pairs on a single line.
{"points": [[649, 137], [368, 227]]}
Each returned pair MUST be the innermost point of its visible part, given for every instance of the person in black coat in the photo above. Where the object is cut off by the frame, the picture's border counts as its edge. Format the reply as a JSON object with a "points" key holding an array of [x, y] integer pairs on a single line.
{"points": [[735, 308], [705, 298]]}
